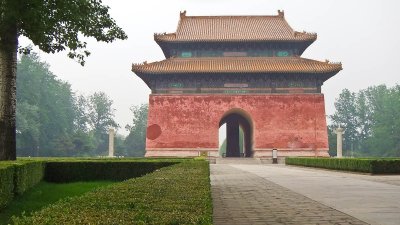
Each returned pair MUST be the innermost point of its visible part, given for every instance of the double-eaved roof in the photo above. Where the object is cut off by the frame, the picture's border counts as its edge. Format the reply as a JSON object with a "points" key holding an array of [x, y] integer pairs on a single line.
{"points": [[234, 28], [265, 29]]}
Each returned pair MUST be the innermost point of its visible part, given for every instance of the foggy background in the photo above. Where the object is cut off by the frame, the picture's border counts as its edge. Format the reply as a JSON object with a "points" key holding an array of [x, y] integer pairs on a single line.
{"points": [[363, 35]]}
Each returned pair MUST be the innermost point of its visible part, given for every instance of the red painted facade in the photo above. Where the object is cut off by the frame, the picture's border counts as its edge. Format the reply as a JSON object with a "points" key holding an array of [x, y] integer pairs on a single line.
{"points": [[184, 125]]}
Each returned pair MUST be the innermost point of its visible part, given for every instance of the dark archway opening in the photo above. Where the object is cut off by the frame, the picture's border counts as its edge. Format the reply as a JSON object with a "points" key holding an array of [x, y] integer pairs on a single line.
{"points": [[237, 145]]}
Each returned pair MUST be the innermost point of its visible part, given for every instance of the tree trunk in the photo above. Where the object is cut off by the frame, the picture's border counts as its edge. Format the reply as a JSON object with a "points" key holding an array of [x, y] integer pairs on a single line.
{"points": [[8, 73]]}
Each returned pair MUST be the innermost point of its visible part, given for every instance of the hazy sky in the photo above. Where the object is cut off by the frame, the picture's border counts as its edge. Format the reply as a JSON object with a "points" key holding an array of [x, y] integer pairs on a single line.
{"points": [[363, 35]]}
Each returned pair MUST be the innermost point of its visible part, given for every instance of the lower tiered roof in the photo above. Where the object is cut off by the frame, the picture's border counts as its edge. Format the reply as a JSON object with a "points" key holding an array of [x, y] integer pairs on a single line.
{"points": [[237, 65]]}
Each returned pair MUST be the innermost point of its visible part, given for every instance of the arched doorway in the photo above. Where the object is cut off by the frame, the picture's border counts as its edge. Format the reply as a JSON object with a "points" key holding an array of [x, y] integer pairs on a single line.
{"points": [[239, 134]]}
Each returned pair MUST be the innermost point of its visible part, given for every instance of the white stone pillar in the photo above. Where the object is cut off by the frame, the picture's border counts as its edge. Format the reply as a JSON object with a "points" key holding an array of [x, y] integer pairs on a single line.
{"points": [[111, 142], [339, 133]]}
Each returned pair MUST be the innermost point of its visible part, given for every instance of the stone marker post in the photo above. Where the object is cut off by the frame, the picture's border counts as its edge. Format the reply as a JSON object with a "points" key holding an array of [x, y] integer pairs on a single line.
{"points": [[339, 133], [274, 156], [111, 142]]}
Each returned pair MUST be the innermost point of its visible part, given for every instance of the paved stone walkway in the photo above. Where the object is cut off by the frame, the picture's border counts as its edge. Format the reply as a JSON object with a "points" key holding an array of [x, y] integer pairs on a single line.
{"points": [[242, 197], [373, 199], [387, 179]]}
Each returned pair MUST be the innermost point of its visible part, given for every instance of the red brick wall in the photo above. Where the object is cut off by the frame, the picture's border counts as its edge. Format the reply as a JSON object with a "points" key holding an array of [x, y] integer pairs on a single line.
{"points": [[285, 122]]}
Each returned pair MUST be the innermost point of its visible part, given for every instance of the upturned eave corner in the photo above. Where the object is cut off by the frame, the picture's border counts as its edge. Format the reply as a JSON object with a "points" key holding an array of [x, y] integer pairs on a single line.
{"points": [[336, 65], [137, 67]]}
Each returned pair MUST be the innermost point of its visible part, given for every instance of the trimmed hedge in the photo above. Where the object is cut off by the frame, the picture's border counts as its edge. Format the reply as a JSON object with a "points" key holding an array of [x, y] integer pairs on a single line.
{"points": [[17, 177], [6, 185], [27, 175], [366, 165], [179, 194], [91, 170]]}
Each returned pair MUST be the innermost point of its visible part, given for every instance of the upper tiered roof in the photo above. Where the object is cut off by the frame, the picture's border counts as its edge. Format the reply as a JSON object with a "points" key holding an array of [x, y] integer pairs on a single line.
{"points": [[270, 35], [234, 29]]}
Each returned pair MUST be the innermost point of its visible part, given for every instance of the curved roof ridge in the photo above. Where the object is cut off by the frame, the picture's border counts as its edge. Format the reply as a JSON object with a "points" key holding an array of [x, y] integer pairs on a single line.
{"points": [[231, 16], [281, 14], [239, 28]]}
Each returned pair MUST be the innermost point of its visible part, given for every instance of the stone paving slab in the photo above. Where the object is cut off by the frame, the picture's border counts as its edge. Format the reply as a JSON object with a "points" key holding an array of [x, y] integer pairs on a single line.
{"points": [[393, 179], [373, 199], [241, 197]]}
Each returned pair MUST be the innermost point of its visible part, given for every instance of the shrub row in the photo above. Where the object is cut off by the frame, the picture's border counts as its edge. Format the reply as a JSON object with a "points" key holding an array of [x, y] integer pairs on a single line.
{"points": [[366, 165], [91, 170], [6, 185], [18, 177], [27, 175], [179, 194]]}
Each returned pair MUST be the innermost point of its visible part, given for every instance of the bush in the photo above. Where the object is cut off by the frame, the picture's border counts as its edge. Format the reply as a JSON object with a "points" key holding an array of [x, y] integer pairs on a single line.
{"points": [[179, 194], [27, 175], [366, 165], [91, 170], [6, 185], [17, 177], [385, 166]]}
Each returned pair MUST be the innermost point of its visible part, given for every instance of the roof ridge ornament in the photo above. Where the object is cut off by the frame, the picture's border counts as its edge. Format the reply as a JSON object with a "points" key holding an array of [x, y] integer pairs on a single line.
{"points": [[281, 13], [333, 63], [336, 63], [183, 14]]}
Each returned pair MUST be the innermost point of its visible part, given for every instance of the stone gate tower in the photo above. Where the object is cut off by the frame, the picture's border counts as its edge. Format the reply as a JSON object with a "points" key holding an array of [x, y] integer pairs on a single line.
{"points": [[243, 71]]}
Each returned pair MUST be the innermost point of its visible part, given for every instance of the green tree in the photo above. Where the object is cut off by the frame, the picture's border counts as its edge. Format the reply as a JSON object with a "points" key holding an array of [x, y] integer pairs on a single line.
{"points": [[28, 129], [52, 25], [45, 110], [372, 122], [101, 113], [100, 119], [119, 145], [364, 120], [345, 117], [332, 141], [84, 143], [83, 139], [385, 130], [135, 142], [81, 121]]}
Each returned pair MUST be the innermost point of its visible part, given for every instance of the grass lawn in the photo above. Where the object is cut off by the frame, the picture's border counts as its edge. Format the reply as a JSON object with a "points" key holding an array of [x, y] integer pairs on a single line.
{"points": [[46, 193]]}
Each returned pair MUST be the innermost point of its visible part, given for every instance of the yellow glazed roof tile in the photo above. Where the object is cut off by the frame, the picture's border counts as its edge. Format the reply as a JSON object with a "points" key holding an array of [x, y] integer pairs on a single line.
{"points": [[237, 65], [235, 28]]}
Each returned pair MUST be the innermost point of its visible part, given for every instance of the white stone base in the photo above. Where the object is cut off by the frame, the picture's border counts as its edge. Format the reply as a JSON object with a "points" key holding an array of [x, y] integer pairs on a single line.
{"points": [[181, 153], [267, 153], [257, 153]]}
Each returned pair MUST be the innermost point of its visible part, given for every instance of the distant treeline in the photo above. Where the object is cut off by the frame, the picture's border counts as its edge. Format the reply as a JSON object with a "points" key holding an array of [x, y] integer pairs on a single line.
{"points": [[371, 118], [53, 121]]}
